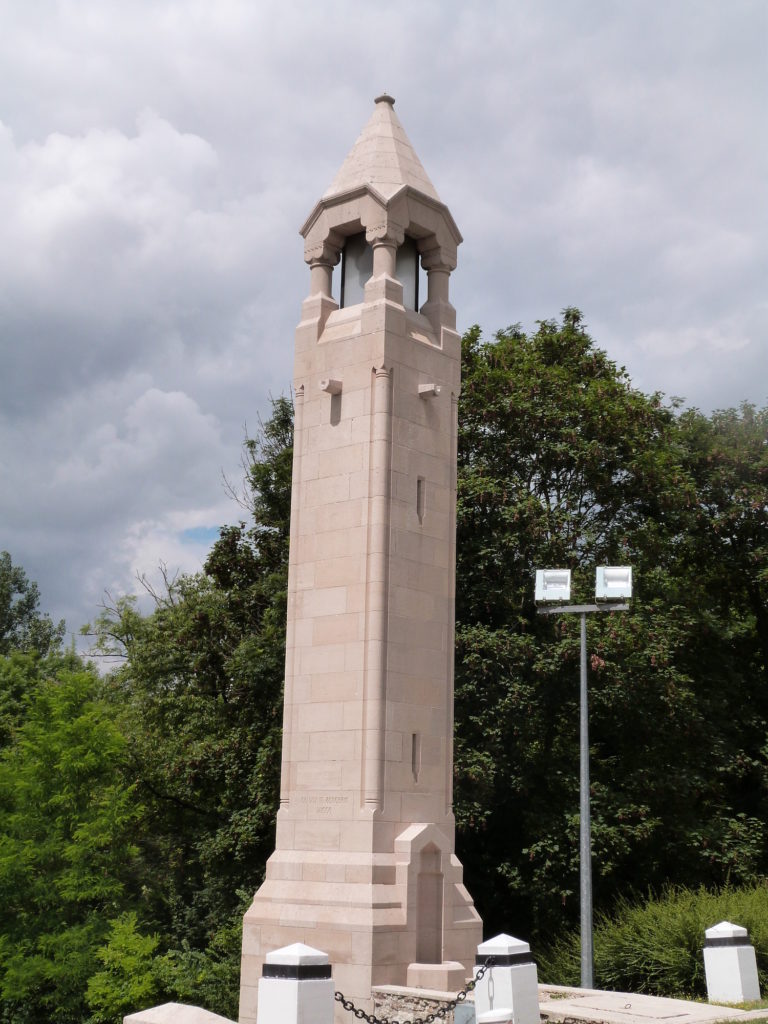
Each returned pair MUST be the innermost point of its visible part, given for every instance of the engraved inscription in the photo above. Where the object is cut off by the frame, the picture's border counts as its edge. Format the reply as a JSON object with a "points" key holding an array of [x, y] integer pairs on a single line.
{"points": [[324, 805]]}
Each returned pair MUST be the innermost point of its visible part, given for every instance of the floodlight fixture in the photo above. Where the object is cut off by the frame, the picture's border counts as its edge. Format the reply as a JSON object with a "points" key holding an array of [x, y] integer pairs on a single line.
{"points": [[613, 588], [553, 585], [613, 582]]}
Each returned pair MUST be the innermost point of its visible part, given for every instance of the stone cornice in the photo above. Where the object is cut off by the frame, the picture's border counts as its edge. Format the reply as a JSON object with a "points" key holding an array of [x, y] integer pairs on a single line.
{"points": [[407, 211]]}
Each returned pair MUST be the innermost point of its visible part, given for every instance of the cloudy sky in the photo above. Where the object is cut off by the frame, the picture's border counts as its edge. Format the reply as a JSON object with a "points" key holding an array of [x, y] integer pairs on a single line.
{"points": [[157, 158]]}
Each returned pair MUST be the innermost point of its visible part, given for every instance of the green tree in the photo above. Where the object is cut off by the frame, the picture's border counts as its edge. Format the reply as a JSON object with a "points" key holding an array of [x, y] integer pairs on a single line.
{"points": [[19, 678], [22, 626], [21, 674], [728, 459], [563, 463], [67, 859], [723, 559], [200, 695], [209, 977], [126, 981]]}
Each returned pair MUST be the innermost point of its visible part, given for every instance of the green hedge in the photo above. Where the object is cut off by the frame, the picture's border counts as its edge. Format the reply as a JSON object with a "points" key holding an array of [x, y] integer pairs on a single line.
{"points": [[655, 946]]}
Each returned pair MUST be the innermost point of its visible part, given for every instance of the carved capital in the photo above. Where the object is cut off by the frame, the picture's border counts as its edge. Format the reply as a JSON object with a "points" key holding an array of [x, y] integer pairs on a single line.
{"points": [[436, 259], [325, 252], [384, 233]]}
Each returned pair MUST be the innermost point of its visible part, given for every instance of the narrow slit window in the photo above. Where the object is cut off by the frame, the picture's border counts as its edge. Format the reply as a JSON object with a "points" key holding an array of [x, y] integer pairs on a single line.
{"points": [[335, 409], [416, 755], [420, 498]]}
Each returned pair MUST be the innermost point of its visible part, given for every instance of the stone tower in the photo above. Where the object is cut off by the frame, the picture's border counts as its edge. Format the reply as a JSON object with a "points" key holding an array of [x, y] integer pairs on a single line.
{"points": [[364, 866]]}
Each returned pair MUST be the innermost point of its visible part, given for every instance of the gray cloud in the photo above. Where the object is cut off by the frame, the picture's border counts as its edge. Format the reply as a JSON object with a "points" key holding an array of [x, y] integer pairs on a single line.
{"points": [[157, 158]]}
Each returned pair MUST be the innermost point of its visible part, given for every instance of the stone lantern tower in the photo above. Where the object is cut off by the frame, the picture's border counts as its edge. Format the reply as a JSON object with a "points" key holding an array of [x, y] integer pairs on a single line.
{"points": [[364, 866]]}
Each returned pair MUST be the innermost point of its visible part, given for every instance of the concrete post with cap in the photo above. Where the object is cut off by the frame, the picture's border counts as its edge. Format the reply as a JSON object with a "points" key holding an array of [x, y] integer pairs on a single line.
{"points": [[296, 987], [730, 965], [510, 985]]}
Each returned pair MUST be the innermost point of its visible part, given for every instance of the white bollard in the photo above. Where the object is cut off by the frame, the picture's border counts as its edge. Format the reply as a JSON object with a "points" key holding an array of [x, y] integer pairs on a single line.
{"points": [[730, 965], [296, 987], [510, 986], [175, 1013]]}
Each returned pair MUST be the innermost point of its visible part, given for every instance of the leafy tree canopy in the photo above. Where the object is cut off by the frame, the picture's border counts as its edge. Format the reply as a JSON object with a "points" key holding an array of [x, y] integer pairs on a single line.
{"points": [[22, 626], [200, 696], [563, 464], [67, 858], [137, 812]]}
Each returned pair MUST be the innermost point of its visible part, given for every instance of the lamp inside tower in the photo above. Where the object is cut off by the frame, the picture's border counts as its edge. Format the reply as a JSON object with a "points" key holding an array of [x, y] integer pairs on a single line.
{"points": [[357, 268], [407, 272]]}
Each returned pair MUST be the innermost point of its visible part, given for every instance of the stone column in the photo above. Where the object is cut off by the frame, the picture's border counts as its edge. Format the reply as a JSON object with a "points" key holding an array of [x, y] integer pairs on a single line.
{"points": [[364, 864]]}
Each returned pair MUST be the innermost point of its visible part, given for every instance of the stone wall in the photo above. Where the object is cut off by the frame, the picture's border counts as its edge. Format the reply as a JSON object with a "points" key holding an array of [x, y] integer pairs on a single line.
{"points": [[408, 1004]]}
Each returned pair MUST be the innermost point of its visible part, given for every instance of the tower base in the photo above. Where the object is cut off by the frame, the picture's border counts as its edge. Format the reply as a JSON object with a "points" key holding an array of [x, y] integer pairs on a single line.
{"points": [[382, 918]]}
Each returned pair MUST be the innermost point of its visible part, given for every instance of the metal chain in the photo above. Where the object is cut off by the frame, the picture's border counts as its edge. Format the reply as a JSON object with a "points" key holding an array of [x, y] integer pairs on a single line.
{"points": [[440, 1014]]}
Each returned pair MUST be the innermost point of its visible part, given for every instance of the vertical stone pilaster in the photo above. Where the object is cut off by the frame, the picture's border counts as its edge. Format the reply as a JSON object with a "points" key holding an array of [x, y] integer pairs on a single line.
{"points": [[450, 653], [377, 604], [290, 626]]}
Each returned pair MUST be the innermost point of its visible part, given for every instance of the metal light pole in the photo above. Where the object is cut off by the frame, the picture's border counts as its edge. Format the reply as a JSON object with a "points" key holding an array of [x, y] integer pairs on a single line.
{"points": [[585, 823], [612, 585]]}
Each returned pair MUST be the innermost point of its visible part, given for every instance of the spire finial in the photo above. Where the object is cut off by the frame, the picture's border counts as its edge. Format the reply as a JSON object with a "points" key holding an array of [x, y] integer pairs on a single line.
{"points": [[385, 98]]}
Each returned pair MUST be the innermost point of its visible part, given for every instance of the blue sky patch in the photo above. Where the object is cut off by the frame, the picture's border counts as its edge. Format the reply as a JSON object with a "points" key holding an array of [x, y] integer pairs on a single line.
{"points": [[200, 535]]}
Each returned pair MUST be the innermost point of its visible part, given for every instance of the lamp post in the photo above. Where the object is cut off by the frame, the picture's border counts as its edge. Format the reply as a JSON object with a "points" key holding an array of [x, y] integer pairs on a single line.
{"points": [[613, 588]]}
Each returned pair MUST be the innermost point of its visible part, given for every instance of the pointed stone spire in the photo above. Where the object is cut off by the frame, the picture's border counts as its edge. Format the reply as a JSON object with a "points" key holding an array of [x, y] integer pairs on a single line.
{"points": [[382, 157]]}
